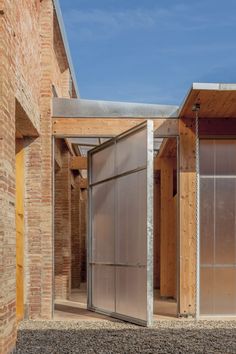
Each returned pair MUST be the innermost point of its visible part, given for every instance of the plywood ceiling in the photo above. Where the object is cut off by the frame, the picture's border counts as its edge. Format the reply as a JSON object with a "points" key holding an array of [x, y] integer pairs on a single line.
{"points": [[216, 101]]}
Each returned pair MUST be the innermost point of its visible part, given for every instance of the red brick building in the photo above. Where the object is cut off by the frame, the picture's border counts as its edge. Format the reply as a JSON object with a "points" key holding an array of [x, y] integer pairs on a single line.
{"points": [[34, 66]]}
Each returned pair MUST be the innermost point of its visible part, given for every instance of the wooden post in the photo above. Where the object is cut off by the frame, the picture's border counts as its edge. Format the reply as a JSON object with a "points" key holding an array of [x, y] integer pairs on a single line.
{"points": [[157, 228], [187, 204], [168, 229]]}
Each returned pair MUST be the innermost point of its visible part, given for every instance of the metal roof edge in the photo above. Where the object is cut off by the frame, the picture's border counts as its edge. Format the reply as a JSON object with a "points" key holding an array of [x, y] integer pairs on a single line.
{"points": [[66, 44], [72, 107]]}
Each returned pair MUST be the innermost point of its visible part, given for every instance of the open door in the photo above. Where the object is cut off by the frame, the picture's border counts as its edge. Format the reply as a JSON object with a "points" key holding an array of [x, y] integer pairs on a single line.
{"points": [[120, 235]]}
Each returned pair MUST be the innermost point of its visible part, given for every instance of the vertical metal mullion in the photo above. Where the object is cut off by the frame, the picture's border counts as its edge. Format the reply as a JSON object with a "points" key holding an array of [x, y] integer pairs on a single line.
{"points": [[115, 225], [149, 216], [89, 235]]}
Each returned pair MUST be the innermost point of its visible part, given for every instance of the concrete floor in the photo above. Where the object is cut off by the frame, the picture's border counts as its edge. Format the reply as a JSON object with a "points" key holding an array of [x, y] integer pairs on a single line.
{"points": [[76, 308]]}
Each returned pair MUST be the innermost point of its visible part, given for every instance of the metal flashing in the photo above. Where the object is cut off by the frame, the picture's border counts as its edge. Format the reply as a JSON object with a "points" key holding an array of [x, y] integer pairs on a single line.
{"points": [[66, 44], [81, 108]]}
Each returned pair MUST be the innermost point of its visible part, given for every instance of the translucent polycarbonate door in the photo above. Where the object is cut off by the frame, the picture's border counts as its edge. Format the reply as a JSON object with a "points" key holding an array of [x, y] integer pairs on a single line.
{"points": [[218, 227], [121, 226]]}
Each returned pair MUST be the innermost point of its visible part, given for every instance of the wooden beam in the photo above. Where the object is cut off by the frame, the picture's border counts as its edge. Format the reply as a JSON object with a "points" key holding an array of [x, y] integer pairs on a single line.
{"points": [[57, 153], [157, 163], [163, 147], [168, 148], [72, 178], [69, 146], [83, 183], [104, 127], [168, 229], [78, 163]]}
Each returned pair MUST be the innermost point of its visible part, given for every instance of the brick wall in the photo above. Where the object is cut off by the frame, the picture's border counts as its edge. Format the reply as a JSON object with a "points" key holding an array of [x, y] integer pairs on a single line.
{"points": [[7, 184], [75, 236], [83, 235], [32, 60], [62, 228]]}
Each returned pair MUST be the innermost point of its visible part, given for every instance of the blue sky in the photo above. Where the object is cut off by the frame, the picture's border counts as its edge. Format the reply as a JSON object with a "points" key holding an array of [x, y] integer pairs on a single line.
{"points": [[150, 50]]}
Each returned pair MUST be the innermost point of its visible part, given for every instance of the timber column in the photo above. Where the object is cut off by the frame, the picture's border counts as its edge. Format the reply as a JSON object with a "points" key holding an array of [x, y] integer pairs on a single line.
{"points": [[187, 220]]}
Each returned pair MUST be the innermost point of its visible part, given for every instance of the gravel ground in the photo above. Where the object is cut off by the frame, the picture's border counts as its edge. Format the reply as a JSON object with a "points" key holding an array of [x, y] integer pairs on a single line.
{"points": [[105, 337]]}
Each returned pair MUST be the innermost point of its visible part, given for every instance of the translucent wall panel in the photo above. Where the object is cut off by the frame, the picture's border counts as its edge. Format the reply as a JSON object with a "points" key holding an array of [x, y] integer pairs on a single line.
{"points": [[103, 286], [103, 222], [103, 164], [206, 290], [131, 290], [225, 221], [131, 221], [225, 162], [207, 157], [224, 290], [207, 213], [132, 152], [120, 222], [218, 227]]}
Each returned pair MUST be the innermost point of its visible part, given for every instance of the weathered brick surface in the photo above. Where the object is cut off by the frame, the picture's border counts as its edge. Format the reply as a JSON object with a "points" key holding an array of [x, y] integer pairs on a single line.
{"points": [[62, 234], [32, 59], [75, 236], [83, 234], [7, 185]]}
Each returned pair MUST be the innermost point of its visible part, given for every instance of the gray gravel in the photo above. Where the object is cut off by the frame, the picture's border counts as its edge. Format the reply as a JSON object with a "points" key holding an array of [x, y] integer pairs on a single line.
{"points": [[105, 337]]}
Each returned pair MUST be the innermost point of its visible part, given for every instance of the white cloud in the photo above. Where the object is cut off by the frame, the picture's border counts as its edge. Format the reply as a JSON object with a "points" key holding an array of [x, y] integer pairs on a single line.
{"points": [[101, 24]]}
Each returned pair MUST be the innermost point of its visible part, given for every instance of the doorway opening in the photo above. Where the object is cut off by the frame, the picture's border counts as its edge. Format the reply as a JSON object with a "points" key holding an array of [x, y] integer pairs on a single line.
{"points": [[70, 226], [165, 226], [128, 185]]}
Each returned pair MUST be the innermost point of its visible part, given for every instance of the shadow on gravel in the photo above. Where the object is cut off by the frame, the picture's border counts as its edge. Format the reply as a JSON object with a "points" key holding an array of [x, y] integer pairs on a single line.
{"points": [[138, 340]]}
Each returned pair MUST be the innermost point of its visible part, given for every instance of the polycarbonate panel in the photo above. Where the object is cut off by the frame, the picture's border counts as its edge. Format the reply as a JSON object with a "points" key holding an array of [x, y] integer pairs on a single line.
{"points": [[207, 153], [121, 226], [131, 290], [103, 286], [207, 220], [131, 245], [218, 157], [224, 290], [218, 227], [103, 164], [225, 162], [103, 222], [225, 221], [132, 152], [207, 292]]}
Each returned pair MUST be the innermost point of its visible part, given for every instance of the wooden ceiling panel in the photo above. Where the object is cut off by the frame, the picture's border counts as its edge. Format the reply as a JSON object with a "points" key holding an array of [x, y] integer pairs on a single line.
{"points": [[216, 101]]}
